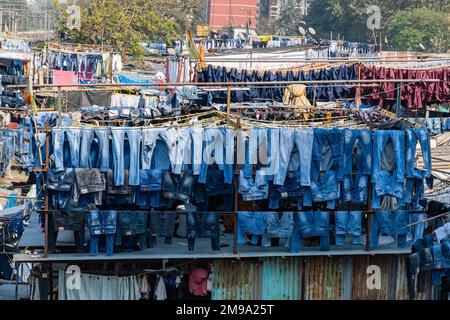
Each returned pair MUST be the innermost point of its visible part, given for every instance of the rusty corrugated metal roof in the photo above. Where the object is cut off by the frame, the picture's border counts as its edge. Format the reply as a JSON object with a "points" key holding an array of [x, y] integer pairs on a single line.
{"points": [[236, 280], [282, 278]]}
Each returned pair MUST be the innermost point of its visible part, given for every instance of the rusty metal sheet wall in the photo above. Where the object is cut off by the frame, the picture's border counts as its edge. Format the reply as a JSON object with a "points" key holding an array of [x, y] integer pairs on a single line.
{"points": [[312, 278], [236, 280], [393, 279], [324, 278], [282, 278]]}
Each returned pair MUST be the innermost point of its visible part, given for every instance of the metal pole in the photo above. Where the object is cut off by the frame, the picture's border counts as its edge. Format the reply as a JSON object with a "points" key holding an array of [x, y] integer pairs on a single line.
{"points": [[16, 294]]}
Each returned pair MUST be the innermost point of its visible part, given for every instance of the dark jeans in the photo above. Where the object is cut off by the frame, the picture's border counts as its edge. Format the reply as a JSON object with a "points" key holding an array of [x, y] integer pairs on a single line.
{"points": [[67, 220]]}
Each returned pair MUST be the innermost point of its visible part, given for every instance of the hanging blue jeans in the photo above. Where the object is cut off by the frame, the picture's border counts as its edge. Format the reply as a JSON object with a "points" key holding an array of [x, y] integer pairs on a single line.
{"points": [[281, 228], [60, 136], [311, 224], [253, 189], [303, 139], [149, 141], [134, 139], [421, 136], [253, 223], [389, 223], [384, 182], [88, 154], [348, 223], [102, 223], [218, 148]]}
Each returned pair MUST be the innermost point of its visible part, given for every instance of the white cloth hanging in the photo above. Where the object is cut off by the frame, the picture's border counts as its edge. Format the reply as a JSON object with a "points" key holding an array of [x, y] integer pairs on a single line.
{"points": [[160, 291]]}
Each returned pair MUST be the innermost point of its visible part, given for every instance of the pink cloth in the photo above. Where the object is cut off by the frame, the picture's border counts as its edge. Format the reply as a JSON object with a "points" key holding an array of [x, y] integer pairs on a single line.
{"points": [[198, 281], [62, 77]]}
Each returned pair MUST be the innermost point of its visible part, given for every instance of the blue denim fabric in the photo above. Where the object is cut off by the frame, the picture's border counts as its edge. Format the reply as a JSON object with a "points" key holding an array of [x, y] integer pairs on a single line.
{"points": [[253, 189], [119, 152], [417, 230], [279, 227], [355, 188], [253, 223], [72, 136], [384, 183], [247, 150], [414, 191], [413, 136], [218, 147], [149, 146], [290, 189], [327, 167], [189, 148], [440, 261], [390, 223], [434, 125], [102, 223], [362, 160], [91, 157], [311, 224], [348, 223], [150, 179], [303, 139], [215, 185], [131, 223], [179, 187]]}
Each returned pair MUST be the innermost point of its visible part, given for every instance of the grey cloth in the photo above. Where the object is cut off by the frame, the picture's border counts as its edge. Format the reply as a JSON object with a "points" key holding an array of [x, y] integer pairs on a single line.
{"points": [[89, 98], [89, 181], [162, 224], [388, 203]]}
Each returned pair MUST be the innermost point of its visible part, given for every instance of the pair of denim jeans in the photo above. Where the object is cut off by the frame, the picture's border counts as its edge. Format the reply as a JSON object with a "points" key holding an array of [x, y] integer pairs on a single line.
{"points": [[253, 189], [357, 165], [202, 225], [327, 165], [178, 187], [413, 137], [160, 224], [218, 148], [253, 223], [348, 223], [131, 226], [61, 136], [258, 144], [94, 150], [61, 186], [102, 223], [67, 220], [389, 223], [311, 224], [119, 152], [386, 181], [304, 140]]}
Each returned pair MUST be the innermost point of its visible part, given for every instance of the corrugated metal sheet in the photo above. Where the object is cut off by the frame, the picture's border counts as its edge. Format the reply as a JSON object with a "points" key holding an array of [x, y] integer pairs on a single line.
{"points": [[282, 279], [393, 279], [236, 280], [324, 278], [313, 278]]}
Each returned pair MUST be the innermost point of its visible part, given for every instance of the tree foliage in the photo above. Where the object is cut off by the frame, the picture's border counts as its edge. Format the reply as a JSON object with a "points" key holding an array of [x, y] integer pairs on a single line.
{"points": [[411, 27], [348, 18], [128, 23]]}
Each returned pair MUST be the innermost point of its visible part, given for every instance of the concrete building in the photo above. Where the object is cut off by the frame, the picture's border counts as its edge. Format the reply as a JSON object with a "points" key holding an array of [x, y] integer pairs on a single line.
{"points": [[236, 13], [273, 8]]}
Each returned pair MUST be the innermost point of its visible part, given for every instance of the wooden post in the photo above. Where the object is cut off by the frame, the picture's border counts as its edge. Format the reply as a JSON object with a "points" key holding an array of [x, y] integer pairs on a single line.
{"points": [[228, 101]]}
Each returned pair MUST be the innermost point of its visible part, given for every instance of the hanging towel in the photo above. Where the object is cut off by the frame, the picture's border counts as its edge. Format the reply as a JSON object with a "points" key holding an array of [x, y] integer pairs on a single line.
{"points": [[295, 95]]}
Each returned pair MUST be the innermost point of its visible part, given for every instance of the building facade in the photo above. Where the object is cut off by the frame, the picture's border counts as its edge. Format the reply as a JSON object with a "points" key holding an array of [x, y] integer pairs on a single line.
{"points": [[231, 13]]}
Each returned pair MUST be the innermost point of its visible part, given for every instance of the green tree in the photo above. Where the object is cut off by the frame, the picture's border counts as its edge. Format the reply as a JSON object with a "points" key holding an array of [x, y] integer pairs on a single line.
{"points": [[348, 18], [128, 23], [431, 28], [289, 21]]}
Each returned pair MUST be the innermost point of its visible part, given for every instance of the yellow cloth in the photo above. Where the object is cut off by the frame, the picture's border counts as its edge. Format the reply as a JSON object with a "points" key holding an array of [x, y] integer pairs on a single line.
{"points": [[295, 95], [108, 62]]}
